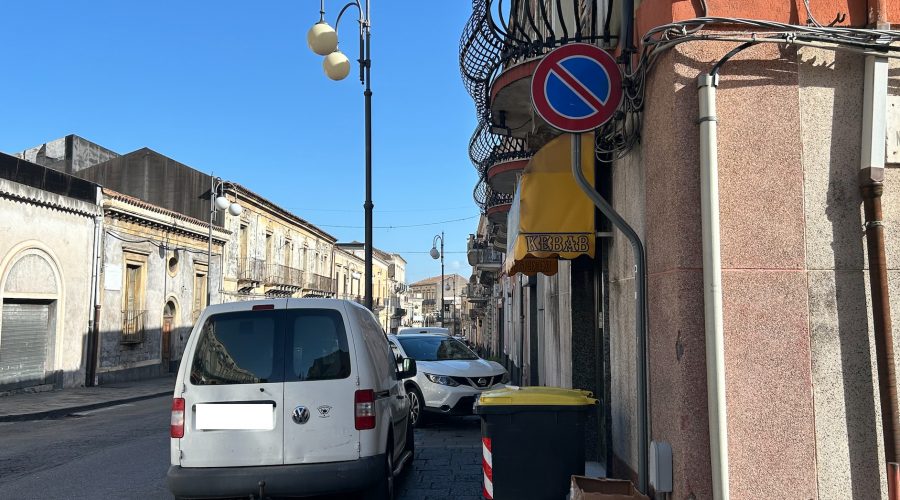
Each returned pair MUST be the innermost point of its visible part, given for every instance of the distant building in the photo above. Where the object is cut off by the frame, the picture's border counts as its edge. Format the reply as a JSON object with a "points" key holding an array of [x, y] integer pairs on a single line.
{"points": [[425, 297], [69, 154], [388, 283]]}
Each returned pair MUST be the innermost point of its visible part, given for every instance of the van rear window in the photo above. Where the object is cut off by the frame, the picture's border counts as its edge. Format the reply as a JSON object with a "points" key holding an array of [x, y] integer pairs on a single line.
{"points": [[251, 347], [317, 343], [238, 348]]}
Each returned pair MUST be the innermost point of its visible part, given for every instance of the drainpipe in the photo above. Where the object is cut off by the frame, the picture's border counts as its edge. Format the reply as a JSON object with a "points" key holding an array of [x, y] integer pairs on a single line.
{"points": [[871, 178], [712, 286], [96, 265], [640, 311]]}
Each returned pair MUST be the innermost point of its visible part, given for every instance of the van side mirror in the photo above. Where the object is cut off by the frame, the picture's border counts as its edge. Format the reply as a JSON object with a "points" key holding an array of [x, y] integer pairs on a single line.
{"points": [[408, 369]]}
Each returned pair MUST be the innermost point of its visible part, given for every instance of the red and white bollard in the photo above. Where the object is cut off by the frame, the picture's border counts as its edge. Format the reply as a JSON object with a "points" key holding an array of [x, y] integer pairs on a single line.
{"points": [[487, 465]]}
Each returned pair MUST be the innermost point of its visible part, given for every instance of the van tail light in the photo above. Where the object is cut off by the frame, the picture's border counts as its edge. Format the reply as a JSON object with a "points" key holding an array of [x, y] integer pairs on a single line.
{"points": [[176, 430], [364, 402]]}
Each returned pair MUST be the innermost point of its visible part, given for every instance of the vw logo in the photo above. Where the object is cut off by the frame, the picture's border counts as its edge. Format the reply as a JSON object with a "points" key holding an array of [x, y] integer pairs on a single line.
{"points": [[324, 411], [300, 415]]}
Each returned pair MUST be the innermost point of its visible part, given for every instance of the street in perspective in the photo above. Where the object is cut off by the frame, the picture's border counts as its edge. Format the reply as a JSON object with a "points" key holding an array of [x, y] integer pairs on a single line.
{"points": [[525, 250]]}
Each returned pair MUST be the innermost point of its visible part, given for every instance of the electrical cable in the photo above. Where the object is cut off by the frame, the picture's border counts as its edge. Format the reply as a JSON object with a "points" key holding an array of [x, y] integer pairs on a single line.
{"points": [[402, 226]]}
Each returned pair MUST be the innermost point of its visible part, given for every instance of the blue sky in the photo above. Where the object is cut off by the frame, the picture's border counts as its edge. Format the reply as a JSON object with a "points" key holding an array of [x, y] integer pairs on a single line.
{"points": [[231, 88]]}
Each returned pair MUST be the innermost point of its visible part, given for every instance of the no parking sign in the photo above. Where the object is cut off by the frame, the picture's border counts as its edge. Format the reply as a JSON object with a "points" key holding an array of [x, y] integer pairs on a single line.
{"points": [[577, 87]]}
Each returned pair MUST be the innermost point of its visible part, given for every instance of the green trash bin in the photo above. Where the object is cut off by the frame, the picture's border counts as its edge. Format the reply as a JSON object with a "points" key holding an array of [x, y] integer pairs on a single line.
{"points": [[532, 441]]}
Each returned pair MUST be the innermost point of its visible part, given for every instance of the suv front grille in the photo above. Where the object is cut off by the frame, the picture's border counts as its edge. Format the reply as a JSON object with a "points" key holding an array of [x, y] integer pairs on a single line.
{"points": [[479, 382]]}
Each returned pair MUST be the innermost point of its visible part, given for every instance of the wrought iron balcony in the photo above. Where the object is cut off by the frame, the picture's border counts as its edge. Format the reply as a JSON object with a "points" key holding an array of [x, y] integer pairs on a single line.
{"points": [[494, 204], [251, 270], [133, 326], [319, 283], [477, 294], [283, 276], [494, 41]]}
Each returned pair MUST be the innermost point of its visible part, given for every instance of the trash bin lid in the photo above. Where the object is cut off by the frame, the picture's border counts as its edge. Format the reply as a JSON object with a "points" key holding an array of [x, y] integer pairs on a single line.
{"points": [[536, 396]]}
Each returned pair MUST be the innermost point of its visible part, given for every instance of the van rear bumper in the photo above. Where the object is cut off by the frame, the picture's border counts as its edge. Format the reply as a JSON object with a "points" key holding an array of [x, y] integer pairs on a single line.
{"points": [[281, 480]]}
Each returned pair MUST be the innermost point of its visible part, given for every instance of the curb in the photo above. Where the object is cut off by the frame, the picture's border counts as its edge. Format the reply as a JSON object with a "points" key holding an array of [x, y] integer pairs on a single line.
{"points": [[61, 412]]}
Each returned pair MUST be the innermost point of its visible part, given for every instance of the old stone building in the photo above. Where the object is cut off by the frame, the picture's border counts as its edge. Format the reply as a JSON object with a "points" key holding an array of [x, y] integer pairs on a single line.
{"points": [[155, 274], [48, 234]]}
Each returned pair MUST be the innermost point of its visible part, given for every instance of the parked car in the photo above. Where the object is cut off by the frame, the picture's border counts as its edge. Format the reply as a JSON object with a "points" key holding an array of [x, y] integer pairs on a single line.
{"points": [[289, 397], [449, 375], [425, 329]]}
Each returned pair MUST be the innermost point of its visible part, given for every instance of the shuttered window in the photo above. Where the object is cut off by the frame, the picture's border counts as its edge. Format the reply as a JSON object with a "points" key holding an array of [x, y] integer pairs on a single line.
{"points": [[23, 340]]}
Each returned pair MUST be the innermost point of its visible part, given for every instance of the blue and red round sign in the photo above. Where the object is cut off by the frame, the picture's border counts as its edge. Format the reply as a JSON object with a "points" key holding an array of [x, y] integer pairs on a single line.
{"points": [[577, 87]]}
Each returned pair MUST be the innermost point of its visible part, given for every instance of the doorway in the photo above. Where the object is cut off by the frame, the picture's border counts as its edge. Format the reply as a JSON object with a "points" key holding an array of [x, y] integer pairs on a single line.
{"points": [[166, 340]]}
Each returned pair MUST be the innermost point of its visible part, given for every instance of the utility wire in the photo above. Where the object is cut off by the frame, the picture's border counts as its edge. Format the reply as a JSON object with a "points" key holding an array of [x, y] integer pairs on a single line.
{"points": [[401, 226], [404, 210]]}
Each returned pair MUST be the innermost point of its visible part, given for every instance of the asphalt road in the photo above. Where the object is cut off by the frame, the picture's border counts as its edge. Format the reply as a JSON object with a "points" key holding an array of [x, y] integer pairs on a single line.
{"points": [[123, 452]]}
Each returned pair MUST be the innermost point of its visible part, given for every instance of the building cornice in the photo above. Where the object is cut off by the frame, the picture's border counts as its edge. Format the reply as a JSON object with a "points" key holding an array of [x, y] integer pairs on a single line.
{"points": [[19, 192], [124, 207]]}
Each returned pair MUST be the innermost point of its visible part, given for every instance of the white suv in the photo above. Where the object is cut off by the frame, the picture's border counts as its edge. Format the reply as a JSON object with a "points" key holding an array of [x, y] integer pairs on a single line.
{"points": [[449, 375], [288, 397]]}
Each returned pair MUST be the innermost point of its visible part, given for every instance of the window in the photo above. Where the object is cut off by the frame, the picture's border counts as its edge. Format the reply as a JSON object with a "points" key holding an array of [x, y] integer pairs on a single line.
{"points": [[318, 345], [435, 349], [239, 348], [269, 252], [250, 347], [200, 291], [243, 242], [133, 311], [288, 253]]}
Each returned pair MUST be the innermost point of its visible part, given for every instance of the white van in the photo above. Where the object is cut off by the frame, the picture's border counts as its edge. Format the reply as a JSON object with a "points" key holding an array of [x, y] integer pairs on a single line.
{"points": [[289, 397]]}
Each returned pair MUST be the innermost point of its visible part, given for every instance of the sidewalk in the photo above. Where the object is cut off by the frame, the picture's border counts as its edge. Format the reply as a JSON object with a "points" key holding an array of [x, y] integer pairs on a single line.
{"points": [[19, 407]]}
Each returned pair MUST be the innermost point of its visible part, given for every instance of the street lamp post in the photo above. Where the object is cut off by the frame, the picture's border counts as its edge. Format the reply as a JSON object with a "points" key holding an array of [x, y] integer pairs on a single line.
{"points": [[435, 254], [323, 40], [217, 201], [453, 310]]}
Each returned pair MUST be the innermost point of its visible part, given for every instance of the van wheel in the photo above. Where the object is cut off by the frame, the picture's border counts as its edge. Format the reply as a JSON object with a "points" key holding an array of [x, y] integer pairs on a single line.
{"points": [[383, 489], [416, 407]]}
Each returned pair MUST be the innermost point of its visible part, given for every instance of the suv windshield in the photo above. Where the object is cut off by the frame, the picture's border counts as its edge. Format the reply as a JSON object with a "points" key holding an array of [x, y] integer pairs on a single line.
{"points": [[435, 349]]}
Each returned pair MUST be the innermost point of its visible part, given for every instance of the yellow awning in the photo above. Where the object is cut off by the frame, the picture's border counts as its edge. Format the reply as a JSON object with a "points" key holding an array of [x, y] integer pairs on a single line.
{"points": [[551, 218]]}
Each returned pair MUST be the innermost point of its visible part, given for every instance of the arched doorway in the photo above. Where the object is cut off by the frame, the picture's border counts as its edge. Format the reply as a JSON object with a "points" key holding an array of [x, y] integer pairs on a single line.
{"points": [[168, 325]]}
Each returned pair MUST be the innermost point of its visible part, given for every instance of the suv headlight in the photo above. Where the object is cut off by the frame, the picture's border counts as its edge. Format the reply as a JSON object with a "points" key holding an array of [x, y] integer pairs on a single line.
{"points": [[442, 380], [505, 378]]}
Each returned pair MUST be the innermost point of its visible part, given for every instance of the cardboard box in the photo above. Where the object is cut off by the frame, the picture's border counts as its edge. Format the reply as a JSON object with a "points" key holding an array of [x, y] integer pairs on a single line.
{"points": [[587, 488]]}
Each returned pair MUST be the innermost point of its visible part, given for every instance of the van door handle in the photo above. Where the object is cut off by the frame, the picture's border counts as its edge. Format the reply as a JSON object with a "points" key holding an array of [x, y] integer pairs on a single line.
{"points": [[401, 398]]}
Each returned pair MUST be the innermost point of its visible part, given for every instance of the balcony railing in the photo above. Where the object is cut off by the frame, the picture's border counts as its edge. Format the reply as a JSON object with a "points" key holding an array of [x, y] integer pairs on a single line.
{"points": [[253, 270], [318, 282], [279, 275], [133, 326]]}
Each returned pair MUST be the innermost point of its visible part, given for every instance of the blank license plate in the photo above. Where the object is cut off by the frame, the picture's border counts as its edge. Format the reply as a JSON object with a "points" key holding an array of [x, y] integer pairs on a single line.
{"points": [[235, 416]]}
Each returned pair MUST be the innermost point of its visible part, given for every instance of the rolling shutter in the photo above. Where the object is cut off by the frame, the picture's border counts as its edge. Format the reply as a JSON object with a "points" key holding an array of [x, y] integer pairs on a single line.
{"points": [[23, 340]]}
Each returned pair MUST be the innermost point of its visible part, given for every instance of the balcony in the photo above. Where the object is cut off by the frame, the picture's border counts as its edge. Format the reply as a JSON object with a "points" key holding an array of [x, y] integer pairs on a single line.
{"points": [[283, 281], [318, 285], [133, 326], [499, 49], [495, 205], [477, 294], [251, 272]]}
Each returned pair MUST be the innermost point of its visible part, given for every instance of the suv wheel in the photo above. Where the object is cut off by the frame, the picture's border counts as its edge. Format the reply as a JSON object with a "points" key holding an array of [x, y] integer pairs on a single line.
{"points": [[416, 407]]}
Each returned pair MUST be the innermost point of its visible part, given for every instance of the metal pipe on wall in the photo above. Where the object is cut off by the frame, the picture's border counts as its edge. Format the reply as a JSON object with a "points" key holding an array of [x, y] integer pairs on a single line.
{"points": [[875, 91], [640, 289], [712, 286], [96, 265]]}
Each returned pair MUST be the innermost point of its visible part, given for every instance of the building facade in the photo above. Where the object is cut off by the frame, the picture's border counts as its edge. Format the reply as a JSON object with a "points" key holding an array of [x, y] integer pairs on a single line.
{"points": [[754, 286], [274, 253], [49, 234], [156, 279]]}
